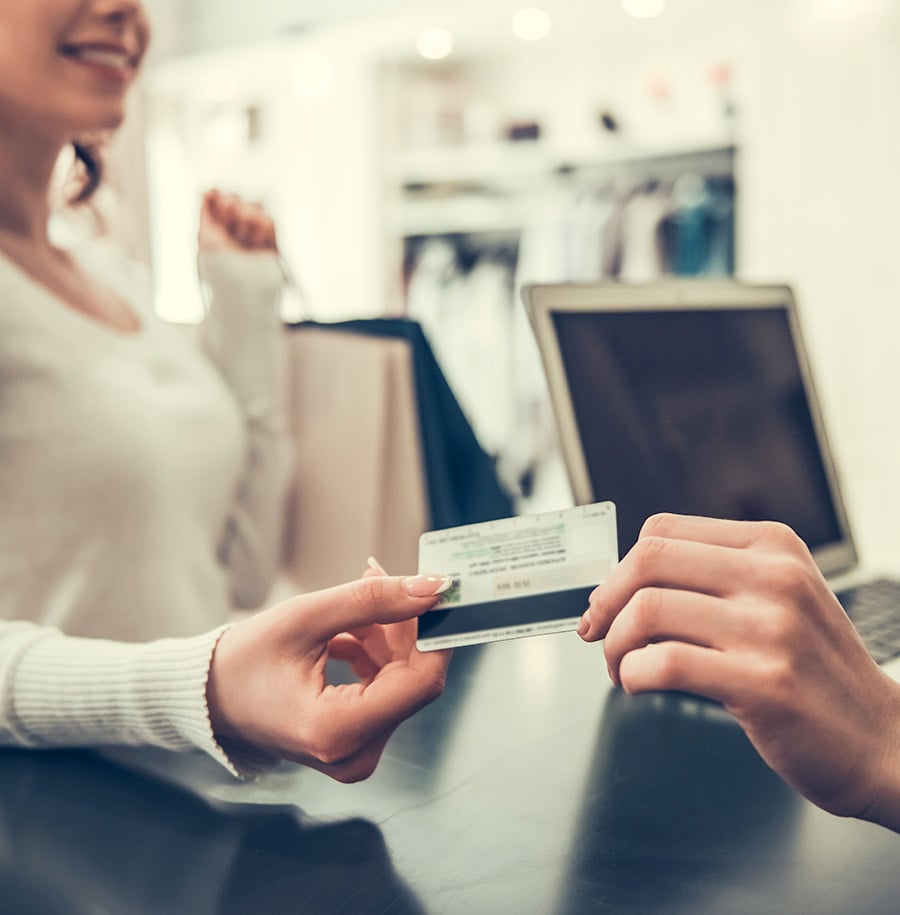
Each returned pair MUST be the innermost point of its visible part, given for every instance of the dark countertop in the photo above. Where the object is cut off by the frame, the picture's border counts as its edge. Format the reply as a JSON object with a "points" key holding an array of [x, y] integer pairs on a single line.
{"points": [[530, 786]]}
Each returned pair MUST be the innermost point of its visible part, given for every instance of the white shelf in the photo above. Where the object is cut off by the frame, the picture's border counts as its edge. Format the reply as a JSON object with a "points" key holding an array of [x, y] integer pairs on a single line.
{"points": [[495, 163], [463, 215], [503, 164], [501, 188]]}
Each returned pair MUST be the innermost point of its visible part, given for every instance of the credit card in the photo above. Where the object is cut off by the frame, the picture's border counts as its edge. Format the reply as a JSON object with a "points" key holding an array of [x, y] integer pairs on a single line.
{"points": [[516, 577]]}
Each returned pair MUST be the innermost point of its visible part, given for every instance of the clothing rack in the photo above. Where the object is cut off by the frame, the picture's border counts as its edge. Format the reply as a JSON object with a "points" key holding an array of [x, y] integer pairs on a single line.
{"points": [[484, 202], [715, 162]]}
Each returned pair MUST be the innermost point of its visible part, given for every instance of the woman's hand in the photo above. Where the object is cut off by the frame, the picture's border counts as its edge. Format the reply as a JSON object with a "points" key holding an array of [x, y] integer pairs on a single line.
{"points": [[229, 223], [738, 612], [267, 684]]}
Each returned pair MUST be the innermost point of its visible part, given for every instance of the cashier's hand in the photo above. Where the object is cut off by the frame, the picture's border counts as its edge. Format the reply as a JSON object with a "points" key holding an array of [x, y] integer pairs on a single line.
{"points": [[738, 612], [267, 683], [228, 222]]}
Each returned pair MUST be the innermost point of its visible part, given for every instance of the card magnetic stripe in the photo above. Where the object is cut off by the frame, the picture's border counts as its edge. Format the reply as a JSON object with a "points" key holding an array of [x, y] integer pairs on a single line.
{"points": [[506, 612]]}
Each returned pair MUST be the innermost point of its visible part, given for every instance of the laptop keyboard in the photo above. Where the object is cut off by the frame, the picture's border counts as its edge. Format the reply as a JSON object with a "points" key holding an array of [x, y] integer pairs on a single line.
{"points": [[874, 607]]}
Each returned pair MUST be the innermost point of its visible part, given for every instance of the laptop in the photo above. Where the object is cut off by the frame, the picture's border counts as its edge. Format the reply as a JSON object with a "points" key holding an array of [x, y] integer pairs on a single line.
{"points": [[697, 397]]}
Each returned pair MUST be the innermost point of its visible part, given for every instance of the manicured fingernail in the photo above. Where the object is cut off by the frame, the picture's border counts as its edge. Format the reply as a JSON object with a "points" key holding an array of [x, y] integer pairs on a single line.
{"points": [[375, 565], [585, 624], [426, 585]]}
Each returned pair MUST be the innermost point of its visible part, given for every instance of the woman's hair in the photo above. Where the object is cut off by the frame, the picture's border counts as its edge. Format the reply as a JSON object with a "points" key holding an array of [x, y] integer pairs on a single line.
{"points": [[88, 172]]}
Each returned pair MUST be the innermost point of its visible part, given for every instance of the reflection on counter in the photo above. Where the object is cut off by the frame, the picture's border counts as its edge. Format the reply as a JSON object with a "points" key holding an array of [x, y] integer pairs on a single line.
{"points": [[702, 838], [79, 834]]}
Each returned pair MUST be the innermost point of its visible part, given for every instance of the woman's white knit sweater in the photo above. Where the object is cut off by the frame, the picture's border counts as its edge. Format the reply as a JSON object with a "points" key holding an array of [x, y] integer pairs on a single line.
{"points": [[141, 486]]}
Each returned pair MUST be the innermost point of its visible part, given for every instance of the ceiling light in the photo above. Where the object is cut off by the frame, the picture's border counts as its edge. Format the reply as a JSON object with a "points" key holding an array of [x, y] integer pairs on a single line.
{"points": [[531, 24], [643, 9], [434, 43]]}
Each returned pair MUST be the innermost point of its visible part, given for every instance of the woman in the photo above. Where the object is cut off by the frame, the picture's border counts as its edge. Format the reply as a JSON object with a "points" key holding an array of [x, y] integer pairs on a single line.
{"points": [[141, 484]]}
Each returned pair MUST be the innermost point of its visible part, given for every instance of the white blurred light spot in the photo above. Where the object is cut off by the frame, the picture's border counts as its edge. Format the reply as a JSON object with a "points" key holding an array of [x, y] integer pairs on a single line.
{"points": [[312, 74], [531, 24], [849, 10], [434, 43], [643, 9], [539, 668]]}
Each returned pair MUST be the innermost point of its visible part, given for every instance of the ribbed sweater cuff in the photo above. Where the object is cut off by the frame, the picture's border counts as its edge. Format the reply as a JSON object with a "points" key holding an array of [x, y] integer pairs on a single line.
{"points": [[91, 692]]}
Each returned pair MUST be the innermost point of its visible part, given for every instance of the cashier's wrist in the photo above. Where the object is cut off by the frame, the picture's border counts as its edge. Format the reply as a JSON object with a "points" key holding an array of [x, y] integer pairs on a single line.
{"points": [[884, 808]]}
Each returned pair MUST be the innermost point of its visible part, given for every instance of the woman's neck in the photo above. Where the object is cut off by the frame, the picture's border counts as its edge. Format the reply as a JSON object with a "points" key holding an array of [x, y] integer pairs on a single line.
{"points": [[27, 164]]}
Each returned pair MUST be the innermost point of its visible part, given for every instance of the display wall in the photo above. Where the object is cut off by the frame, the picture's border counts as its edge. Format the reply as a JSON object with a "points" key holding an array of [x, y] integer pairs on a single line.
{"points": [[335, 130]]}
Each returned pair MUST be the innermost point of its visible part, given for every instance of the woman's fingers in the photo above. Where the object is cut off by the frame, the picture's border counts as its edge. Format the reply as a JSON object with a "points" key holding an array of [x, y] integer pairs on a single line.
{"points": [[319, 616], [394, 695], [245, 223], [354, 768], [348, 648], [374, 641]]}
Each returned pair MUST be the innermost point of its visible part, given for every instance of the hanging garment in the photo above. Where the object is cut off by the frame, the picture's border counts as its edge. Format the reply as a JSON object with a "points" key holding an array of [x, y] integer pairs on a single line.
{"points": [[642, 253]]}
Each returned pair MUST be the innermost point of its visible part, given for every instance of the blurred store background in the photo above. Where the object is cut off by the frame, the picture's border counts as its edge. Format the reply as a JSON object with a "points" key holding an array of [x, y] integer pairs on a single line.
{"points": [[425, 159]]}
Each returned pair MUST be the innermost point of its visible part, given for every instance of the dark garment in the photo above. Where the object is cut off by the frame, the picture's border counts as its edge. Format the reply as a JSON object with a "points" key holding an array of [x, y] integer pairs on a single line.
{"points": [[460, 477]]}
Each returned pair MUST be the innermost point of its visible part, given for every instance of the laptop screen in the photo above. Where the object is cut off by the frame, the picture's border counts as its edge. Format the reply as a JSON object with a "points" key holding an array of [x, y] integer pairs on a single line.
{"points": [[703, 410]]}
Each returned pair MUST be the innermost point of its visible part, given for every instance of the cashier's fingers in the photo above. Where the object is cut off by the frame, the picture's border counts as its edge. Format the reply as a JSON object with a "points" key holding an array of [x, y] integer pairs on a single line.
{"points": [[660, 615], [737, 558], [657, 562], [714, 531], [679, 666]]}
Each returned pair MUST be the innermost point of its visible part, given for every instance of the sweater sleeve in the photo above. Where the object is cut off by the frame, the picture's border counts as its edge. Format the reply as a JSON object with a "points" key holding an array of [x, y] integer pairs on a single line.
{"points": [[62, 691], [243, 335]]}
